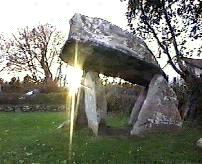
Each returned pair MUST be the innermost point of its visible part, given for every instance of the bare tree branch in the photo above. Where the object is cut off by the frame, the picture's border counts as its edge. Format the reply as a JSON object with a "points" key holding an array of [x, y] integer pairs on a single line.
{"points": [[32, 49]]}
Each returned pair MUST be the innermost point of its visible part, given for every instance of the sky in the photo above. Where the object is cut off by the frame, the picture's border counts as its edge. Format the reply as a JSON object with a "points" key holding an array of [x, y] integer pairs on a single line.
{"points": [[20, 13], [15, 14]]}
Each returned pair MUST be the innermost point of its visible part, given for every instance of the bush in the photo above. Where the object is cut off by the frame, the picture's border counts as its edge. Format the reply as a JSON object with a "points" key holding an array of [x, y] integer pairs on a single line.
{"points": [[122, 103], [182, 92], [50, 98], [10, 98], [41, 98], [29, 84], [121, 98], [49, 87]]}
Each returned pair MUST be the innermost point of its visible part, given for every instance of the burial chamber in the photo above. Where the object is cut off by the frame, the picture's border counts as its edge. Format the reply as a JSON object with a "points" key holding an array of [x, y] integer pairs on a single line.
{"points": [[107, 49], [102, 47]]}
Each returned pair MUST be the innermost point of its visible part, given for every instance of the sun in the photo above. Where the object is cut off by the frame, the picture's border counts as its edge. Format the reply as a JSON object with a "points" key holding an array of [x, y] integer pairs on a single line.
{"points": [[74, 77]]}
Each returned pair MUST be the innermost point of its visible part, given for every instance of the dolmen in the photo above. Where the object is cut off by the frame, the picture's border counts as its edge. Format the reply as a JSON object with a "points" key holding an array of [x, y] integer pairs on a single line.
{"points": [[105, 48]]}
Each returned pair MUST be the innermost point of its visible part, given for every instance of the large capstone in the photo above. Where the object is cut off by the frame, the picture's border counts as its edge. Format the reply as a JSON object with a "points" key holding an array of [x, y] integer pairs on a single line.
{"points": [[159, 110], [106, 48]]}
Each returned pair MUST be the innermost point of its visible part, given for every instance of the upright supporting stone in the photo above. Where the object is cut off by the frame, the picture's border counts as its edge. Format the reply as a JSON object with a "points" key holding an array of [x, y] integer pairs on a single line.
{"points": [[137, 107], [90, 103], [81, 118], [101, 101], [159, 110]]}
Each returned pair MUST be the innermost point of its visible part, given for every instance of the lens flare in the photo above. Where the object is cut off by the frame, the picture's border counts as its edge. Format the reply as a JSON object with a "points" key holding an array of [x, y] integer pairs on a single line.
{"points": [[74, 83], [71, 124]]}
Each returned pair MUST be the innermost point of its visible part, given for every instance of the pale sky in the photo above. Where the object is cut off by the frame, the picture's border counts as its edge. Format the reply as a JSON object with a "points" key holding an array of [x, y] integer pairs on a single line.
{"points": [[20, 13]]}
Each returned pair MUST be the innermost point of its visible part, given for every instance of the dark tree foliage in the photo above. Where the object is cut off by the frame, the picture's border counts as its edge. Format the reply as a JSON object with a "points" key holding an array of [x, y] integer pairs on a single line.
{"points": [[176, 27]]}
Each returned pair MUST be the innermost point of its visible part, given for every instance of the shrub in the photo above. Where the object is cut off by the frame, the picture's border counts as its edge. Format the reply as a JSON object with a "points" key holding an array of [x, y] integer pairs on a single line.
{"points": [[121, 98], [50, 98], [50, 86], [122, 103], [41, 98], [10, 98]]}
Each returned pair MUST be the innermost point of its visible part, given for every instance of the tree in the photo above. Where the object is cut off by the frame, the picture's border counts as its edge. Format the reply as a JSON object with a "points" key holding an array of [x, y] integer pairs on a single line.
{"points": [[34, 49], [176, 27], [2, 56]]}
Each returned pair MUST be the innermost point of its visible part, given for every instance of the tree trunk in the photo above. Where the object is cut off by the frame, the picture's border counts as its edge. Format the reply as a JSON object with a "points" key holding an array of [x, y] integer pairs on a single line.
{"points": [[184, 108], [193, 98], [48, 75], [193, 101], [46, 69]]}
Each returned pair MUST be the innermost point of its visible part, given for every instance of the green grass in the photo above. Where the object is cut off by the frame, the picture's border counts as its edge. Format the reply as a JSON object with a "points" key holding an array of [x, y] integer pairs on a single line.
{"points": [[118, 121], [34, 138]]}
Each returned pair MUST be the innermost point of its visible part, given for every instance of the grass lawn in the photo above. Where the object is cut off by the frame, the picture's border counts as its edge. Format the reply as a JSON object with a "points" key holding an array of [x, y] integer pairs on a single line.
{"points": [[33, 138]]}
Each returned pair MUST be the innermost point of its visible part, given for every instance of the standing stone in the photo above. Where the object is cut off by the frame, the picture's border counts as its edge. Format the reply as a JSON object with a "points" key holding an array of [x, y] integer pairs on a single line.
{"points": [[101, 101], [90, 103], [160, 108], [137, 107], [81, 118]]}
